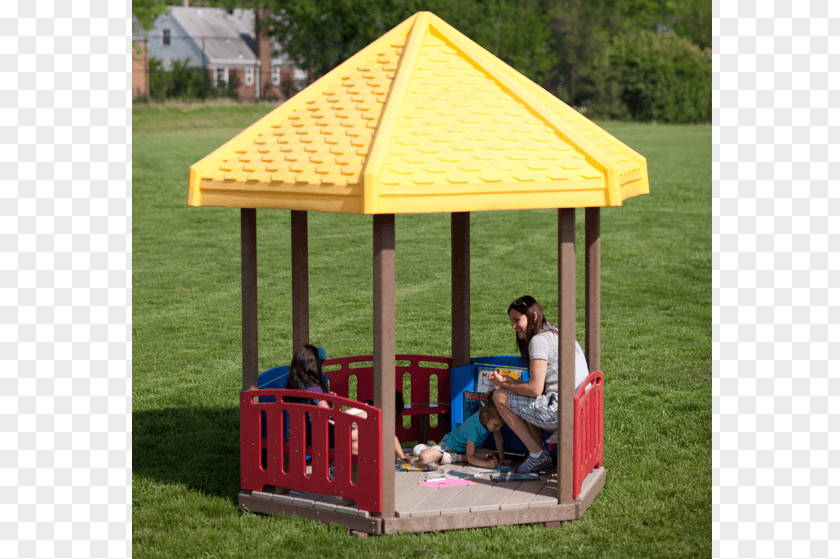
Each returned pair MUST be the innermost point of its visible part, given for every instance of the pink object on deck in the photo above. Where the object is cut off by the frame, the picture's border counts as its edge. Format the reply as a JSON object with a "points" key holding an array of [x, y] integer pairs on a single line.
{"points": [[447, 482]]}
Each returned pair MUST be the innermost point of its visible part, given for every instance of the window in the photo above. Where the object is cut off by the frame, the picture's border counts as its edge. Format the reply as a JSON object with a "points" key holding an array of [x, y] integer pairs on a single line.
{"points": [[275, 75], [221, 77], [249, 76], [167, 37]]}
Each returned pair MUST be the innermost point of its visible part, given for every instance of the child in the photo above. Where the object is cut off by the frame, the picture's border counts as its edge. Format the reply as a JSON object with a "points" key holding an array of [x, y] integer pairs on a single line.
{"points": [[306, 373], [399, 404], [467, 439]]}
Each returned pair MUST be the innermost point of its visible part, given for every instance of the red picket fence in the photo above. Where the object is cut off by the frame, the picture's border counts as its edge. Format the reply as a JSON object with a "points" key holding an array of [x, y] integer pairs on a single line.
{"points": [[278, 436], [589, 428]]}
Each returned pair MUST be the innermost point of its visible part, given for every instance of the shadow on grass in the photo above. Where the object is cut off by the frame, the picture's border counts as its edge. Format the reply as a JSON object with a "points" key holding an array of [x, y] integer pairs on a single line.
{"points": [[195, 447]]}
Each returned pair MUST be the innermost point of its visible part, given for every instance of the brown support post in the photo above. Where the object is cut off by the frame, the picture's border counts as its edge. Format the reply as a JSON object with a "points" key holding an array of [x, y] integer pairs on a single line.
{"points": [[300, 279], [384, 347], [460, 289], [593, 288], [566, 324], [248, 239]]}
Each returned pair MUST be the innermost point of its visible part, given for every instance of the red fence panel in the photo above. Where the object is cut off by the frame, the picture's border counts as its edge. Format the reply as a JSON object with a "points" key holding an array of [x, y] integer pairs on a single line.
{"points": [[589, 428], [273, 454], [421, 402]]}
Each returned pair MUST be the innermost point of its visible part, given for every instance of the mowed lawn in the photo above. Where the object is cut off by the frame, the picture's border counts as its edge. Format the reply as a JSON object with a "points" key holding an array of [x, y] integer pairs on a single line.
{"points": [[656, 346]]}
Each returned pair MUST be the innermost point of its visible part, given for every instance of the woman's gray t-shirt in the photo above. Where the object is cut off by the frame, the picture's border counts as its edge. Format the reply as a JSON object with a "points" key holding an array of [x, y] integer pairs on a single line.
{"points": [[545, 346]]}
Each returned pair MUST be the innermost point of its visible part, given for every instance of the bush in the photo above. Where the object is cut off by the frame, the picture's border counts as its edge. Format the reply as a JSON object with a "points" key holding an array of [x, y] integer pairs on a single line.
{"points": [[652, 76], [185, 82]]}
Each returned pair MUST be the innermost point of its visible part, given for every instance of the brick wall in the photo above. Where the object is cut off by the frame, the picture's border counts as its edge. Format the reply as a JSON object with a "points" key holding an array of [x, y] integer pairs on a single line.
{"points": [[268, 90], [283, 91], [140, 70]]}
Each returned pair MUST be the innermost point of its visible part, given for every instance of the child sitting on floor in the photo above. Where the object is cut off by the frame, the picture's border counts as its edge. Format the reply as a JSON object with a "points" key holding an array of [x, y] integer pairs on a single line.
{"points": [[399, 405], [467, 439]]}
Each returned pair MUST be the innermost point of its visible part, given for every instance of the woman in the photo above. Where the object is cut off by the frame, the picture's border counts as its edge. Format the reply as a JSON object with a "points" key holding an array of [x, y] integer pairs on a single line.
{"points": [[524, 405]]}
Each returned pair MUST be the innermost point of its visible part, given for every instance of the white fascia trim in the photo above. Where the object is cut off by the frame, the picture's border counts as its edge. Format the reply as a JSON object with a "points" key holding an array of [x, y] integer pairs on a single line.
{"points": [[234, 62]]}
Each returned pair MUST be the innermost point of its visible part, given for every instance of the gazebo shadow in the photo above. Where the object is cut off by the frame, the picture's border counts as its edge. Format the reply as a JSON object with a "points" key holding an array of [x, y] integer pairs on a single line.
{"points": [[196, 447]]}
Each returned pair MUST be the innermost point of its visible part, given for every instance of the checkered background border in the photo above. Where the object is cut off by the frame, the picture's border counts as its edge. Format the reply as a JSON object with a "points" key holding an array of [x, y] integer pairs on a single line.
{"points": [[65, 279], [777, 124]]}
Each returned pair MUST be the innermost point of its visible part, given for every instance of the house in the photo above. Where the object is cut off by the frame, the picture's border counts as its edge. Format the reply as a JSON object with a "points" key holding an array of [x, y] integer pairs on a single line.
{"points": [[227, 46]]}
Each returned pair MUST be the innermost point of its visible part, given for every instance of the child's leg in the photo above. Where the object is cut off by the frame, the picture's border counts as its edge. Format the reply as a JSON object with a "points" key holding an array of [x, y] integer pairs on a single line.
{"points": [[431, 454], [452, 456], [354, 441]]}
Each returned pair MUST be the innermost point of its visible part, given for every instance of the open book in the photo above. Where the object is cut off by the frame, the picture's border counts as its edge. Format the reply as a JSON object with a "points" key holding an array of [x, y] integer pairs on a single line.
{"points": [[482, 381]]}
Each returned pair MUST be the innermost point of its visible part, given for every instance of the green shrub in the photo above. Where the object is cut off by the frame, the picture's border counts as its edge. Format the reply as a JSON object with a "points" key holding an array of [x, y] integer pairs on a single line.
{"points": [[185, 82], [652, 77]]}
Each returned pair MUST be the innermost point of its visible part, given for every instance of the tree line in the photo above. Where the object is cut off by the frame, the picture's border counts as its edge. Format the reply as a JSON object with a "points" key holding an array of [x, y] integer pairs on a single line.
{"points": [[611, 59]]}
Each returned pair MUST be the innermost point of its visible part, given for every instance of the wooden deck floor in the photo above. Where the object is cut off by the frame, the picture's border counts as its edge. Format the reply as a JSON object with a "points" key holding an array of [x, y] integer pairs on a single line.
{"points": [[422, 508], [412, 499]]}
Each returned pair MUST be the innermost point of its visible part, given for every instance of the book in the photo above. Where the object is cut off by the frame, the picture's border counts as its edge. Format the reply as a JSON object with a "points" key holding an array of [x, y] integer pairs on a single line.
{"points": [[473, 401], [483, 371]]}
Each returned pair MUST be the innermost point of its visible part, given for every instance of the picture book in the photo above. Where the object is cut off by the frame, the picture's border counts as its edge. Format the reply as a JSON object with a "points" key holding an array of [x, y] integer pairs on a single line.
{"points": [[482, 381], [473, 401]]}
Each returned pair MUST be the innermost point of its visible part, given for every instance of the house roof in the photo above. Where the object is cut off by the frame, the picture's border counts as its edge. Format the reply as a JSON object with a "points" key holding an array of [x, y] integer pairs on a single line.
{"points": [[221, 35], [421, 120]]}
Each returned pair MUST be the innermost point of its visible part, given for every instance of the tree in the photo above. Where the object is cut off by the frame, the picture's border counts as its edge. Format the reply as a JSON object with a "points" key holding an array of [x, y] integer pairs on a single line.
{"points": [[691, 19], [147, 11], [694, 22], [653, 76], [579, 33], [320, 34]]}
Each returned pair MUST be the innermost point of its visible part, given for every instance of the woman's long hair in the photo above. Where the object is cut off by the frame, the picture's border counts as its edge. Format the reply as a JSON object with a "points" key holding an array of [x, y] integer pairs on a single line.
{"points": [[529, 306], [306, 369]]}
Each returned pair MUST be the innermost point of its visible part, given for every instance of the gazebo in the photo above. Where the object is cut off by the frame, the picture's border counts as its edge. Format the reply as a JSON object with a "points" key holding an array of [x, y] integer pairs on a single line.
{"points": [[421, 120]]}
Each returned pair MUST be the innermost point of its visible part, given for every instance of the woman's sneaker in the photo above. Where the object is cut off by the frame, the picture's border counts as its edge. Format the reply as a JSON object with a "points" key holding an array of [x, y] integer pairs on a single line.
{"points": [[532, 464]]}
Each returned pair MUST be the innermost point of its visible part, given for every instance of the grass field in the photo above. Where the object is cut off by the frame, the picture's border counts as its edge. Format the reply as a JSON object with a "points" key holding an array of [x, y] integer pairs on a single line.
{"points": [[656, 346]]}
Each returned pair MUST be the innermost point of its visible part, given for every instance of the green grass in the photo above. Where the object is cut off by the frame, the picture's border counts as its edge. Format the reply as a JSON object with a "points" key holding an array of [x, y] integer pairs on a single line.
{"points": [[656, 346]]}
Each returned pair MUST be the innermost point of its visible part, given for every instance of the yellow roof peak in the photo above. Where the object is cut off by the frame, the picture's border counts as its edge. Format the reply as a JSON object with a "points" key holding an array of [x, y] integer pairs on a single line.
{"points": [[421, 120]]}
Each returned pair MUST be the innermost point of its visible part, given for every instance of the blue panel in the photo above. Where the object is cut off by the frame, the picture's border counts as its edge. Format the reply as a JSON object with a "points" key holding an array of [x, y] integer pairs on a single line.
{"points": [[276, 378], [462, 379], [273, 378]]}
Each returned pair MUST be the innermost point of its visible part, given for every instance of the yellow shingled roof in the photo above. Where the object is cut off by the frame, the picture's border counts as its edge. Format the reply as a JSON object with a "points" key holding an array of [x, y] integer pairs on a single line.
{"points": [[421, 120]]}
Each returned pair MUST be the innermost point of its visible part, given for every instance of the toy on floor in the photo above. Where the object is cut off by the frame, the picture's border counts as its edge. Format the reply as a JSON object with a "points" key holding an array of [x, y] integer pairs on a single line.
{"points": [[418, 467]]}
